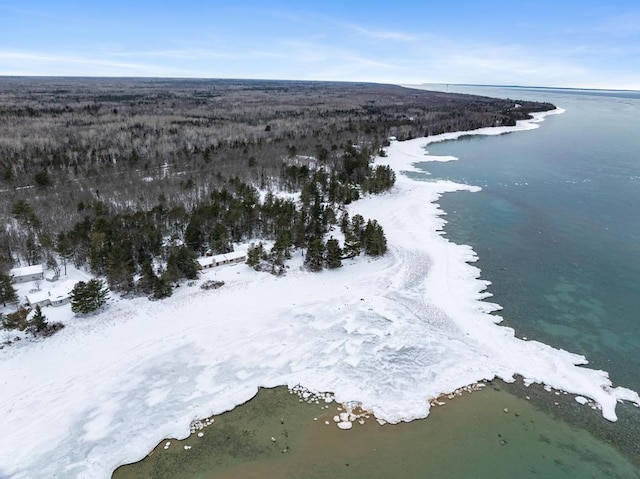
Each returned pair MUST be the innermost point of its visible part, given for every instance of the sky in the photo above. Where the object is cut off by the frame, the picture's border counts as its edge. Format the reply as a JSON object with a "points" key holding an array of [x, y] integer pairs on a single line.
{"points": [[562, 43]]}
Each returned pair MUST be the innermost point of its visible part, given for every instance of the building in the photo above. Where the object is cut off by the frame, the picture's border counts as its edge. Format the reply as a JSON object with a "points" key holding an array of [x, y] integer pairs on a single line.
{"points": [[39, 298], [60, 299], [27, 273], [234, 257]]}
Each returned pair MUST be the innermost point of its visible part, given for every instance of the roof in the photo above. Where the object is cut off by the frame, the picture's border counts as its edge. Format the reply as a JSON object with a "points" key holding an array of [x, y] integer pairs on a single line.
{"points": [[61, 291], [26, 270], [206, 261], [221, 258], [230, 256], [38, 296]]}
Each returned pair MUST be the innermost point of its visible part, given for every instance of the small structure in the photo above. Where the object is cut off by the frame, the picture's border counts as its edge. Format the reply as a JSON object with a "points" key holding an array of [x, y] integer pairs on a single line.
{"points": [[52, 277], [39, 298], [60, 299], [27, 273], [234, 257]]}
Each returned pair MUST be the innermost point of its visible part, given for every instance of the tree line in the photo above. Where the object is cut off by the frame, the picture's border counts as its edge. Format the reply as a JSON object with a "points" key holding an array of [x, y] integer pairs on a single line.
{"points": [[147, 252]]}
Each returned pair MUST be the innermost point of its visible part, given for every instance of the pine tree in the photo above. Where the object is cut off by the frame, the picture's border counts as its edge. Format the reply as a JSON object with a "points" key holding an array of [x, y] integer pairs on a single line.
{"points": [[162, 286], [333, 256], [254, 255], [88, 297], [315, 255], [193, 235], [182, 264], [7, 292], [38, 323], [375, 243], [357, 227], [120, 268], [147, 277], [282, 246]]}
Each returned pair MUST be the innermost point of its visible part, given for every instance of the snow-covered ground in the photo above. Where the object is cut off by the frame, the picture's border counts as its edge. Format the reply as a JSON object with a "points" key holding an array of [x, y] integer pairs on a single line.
{"points": [[390, 333]]}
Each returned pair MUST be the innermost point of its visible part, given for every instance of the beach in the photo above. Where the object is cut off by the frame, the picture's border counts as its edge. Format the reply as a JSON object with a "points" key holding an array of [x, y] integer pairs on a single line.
{"points": [[385, 335]]}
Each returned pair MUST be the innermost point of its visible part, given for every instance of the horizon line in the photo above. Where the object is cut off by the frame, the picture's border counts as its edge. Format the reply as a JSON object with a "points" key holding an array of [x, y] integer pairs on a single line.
{"points": [[537, 87], [491, 85]]}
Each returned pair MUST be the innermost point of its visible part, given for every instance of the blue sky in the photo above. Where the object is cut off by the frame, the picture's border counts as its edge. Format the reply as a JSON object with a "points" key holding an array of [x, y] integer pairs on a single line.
{"points": [[548, 43]]}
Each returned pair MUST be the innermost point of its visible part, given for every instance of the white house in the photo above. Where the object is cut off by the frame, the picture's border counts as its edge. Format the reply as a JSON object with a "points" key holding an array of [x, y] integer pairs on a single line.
{"points": [[231, 258], [60, 299], [39, 298], [206, 262], [53, 297], [27, 273], [234, 257]]}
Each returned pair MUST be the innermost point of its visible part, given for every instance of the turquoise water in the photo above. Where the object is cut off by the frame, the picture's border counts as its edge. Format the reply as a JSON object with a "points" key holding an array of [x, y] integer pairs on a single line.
{"points": [[557, 226]]}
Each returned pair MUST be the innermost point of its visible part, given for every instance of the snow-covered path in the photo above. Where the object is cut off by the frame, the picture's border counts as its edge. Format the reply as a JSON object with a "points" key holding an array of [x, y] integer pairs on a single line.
{"points": [[390, 333]]}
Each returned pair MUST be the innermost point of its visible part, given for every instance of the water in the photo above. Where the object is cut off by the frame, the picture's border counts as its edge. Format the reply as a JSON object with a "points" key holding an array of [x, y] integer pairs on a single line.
{"points": [[275, 436], [557, 226]]}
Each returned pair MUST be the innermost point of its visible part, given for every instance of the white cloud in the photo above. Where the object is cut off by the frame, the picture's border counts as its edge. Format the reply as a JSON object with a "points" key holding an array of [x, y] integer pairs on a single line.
{"points": [[29, 63], [382, 34]]}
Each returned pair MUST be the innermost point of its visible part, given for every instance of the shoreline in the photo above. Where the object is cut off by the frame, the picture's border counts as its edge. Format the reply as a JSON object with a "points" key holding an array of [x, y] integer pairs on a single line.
{"points": [[377, 333]]}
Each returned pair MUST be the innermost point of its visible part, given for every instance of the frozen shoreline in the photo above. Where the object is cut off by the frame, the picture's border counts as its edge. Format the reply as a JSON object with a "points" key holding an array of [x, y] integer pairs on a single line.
{"points": [[389, 334]]}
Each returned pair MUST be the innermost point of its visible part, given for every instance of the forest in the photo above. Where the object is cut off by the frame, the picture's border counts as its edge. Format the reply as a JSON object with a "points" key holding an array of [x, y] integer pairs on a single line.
{"points": [[134, 178]]}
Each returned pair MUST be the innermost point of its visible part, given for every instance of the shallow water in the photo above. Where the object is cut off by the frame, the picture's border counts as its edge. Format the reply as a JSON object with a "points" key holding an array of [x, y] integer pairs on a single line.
{"points": [[470, 436]]}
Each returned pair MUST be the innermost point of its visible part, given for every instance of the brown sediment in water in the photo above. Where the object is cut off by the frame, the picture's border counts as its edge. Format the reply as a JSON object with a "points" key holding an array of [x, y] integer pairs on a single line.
{"points": [[490, 433]]}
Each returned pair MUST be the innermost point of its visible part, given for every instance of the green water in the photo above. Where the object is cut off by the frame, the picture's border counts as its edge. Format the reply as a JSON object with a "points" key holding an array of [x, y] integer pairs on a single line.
{"points": [[557, 227], [470, 437], [557, 231]]}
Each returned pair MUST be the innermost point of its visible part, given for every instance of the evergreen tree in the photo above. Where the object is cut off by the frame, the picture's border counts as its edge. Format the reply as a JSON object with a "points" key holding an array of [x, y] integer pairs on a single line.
{"points": [[315, 255], [282, 246], [120, 268], [193, 235], [7, 292], [333, 256], [88, 297], [375, 243], [357, 226], [345, 224], [254, 255], [219, 239], [182, 264], [162, 286], [352, 246], [148, 277], [98, 253], [38, 323]]}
